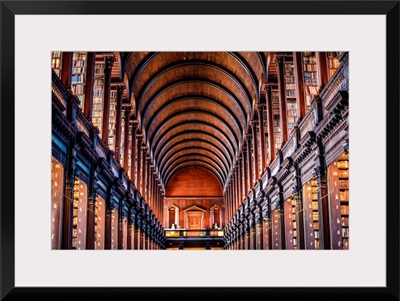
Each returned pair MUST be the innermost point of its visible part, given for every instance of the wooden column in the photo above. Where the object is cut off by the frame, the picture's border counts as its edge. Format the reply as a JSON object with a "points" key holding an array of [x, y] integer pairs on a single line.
{"points": [[88, 106], [261, 108], [298, 73], [298, 195], [244, 173], [151, 169], [144, 171], [126, 138], [131, 230], [252, 235], [139, 164], [323, 205], [120, 226], [242, 238], [228, 203], [106, 98], [133, 154], [136, 239], [240, 180], [237, 201], [67, 214], [91, 210], [281, 226], [256, 173], [322, 69], [108, 226], [118, 122], [66, 69], [282, 99], [247, 235], [268, 224], [271, 138], [258, 230], [228, 216], [143, 239], [249, 163], [148, 179], [69, 199]]}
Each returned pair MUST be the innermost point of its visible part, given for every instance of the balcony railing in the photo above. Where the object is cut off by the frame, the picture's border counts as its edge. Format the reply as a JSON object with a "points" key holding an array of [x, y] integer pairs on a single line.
{"points": [[185, 233]]}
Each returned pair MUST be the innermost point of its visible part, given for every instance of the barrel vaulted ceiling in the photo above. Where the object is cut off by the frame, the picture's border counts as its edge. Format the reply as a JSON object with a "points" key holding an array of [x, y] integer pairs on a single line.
{"points": [[194, 108]]}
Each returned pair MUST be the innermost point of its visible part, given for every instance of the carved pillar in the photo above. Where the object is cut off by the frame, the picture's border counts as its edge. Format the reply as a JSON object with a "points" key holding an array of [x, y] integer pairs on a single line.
{"points": [[137, 232], [271, 138], [322, 69], [108, 225], [106, 98], [244, 173], [126, 138], [282, 99], [323, 205], [227, 204], [122, 220], [91, 210], [268, 224], [281, 225], [240, 181], [133, 153], [69, 199], [259, 230], [131, 229], [66, 69], [148, 179], [242, 235], [118, 122], [298, 196], [262, 136], [298, 72], [139, 164], [256, 172], [236, 179], [252, 232], [144, 171], [246, 234], [88, 106], [229, 199], [249, 163], [143, 236]]}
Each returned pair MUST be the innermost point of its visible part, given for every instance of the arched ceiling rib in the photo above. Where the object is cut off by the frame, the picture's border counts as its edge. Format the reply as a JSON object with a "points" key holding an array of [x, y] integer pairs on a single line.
{"points": [[194, 107]]}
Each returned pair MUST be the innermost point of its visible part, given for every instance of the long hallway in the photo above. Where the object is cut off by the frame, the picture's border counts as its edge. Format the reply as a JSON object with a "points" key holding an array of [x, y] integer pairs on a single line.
{"points": [[200, 150]]}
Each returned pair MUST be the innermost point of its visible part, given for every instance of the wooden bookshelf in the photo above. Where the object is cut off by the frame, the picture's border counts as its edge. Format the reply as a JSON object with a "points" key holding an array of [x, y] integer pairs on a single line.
{"points": [[275, 230], [315, 211], [290, 92], [267, 155], [56, 62], [310, 76], [294, 223], [276, 119], [78, 76], [57, 180], [112, 120], [79, 215], [333, 62], [309, 216], [99, 227], [343, 175], [98, 93], [121, 147]]}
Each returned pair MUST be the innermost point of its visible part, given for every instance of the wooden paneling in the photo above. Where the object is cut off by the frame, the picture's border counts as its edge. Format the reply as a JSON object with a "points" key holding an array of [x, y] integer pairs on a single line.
{"points": [[194, 182]]}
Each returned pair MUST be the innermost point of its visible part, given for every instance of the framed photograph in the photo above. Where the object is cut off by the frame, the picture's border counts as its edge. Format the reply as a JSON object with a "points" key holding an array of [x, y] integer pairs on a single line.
{"points": [[367, 31]]}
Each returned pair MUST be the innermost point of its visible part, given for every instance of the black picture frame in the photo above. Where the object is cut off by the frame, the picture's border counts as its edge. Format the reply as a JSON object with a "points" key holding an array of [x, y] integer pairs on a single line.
{"points": [[8, 11]]}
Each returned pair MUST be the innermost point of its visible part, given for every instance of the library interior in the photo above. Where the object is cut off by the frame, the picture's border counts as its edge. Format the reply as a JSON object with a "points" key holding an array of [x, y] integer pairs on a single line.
{"points": [[199, 150]]}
